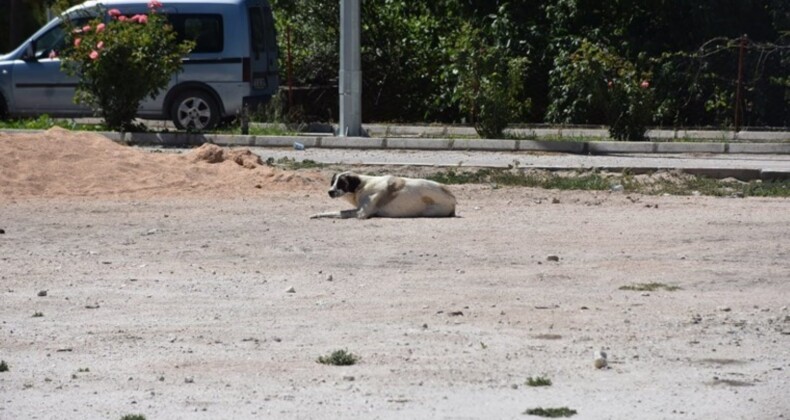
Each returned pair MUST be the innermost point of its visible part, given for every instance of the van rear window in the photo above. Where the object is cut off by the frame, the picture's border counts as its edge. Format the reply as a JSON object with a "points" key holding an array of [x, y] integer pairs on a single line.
{"points": [[204, 29]]}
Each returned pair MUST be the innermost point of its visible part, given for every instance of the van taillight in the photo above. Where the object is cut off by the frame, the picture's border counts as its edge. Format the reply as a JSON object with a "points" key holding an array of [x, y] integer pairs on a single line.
{"points": [[245, 70]]}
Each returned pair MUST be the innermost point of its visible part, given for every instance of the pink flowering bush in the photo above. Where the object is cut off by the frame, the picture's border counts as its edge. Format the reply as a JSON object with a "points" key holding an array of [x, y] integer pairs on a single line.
{"points": [[121, 60]]}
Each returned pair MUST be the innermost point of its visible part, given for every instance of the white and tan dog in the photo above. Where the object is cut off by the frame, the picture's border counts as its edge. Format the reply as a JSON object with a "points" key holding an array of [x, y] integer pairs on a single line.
{"points": [[389, 196]]}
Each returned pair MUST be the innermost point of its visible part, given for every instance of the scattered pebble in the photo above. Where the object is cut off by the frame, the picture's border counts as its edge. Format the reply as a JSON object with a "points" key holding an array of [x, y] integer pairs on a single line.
{"points": [[329, 278], [42, 293], [600, 359], [2, 231], [617, 188], [290, 290], [349, 378], [553, 258], [724, 309], [555, 200], [189, 380]]}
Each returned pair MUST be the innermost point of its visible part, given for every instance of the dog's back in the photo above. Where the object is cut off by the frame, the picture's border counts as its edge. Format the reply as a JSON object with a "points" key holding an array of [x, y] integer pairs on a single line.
{"points": [[411, 197]]}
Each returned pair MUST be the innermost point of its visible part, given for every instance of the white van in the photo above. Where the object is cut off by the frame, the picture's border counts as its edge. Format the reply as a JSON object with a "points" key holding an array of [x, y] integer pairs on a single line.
{"points": [[233, 64]]}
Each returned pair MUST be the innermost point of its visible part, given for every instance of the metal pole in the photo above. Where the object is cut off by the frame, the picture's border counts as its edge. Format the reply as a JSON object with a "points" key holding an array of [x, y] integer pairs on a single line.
{"points": [[744, 39], [350, 78]]}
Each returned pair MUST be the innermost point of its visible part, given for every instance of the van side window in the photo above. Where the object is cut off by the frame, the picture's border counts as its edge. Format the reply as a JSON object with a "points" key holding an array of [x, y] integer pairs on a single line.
{"points": [[204, 29], [52, 42]]}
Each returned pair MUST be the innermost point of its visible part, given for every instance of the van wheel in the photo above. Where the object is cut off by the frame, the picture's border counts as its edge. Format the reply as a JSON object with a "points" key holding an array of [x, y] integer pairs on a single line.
{"points": [[195, 110]]}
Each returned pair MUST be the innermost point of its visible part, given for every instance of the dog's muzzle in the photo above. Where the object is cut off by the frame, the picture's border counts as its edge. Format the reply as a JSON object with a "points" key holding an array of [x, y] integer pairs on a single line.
{"points": [[335, 193]]}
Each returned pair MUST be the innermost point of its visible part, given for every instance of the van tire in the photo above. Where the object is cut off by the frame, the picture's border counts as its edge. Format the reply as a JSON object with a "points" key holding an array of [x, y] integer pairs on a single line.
{"points": [[194, 110]]}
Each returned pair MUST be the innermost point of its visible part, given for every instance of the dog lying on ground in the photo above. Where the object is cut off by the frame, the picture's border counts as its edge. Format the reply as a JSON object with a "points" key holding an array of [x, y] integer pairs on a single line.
{"points": [[389, 196]]}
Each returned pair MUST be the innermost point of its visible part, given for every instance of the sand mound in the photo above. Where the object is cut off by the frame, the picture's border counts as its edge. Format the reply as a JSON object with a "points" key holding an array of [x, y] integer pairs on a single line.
{"points": [[64, 163], [211, 153]]}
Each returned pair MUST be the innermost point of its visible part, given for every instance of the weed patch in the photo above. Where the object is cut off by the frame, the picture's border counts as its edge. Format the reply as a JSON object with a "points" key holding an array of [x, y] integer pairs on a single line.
{"points": [[657, 184], [551, 412], [538, 381], [649, 287], [339, 358], [293, 164]]}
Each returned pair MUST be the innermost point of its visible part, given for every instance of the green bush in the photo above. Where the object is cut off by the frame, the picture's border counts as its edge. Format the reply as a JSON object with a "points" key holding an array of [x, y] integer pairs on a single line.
{"points": [[122, 62], [591, 84], [490, 83]]}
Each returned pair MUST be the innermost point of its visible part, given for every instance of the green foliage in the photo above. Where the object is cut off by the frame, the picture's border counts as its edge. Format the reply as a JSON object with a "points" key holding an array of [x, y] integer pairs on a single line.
{"points": [[122, 62], [538, 381], [490, 83], [422, 61], [133, 417], [592, 83], [339, 358]]}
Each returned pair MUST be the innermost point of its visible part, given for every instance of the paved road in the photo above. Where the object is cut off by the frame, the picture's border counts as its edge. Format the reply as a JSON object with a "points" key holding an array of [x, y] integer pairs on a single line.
{"points": [[748, 166]]}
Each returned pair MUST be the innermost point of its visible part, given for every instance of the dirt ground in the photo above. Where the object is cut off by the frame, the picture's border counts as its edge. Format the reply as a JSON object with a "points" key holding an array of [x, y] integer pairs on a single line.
{"points": [[165, 285]]}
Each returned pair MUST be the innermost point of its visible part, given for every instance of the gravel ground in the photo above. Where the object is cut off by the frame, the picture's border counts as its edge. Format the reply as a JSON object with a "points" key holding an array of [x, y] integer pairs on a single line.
{"points": [[179, 306]]}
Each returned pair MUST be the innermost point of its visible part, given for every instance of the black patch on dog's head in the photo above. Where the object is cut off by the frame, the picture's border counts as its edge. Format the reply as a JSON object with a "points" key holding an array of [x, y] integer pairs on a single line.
{"points": [[352, 183], [344, 183]]}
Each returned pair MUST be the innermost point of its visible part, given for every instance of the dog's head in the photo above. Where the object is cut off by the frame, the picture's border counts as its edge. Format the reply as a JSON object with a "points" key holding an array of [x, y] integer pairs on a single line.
{"points": [[344, 183]]}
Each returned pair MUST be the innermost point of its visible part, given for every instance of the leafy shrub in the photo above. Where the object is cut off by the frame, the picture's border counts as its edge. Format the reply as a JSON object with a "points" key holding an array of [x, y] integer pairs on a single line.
{"points": [[592, 84], [490, 83], [122, 62]]}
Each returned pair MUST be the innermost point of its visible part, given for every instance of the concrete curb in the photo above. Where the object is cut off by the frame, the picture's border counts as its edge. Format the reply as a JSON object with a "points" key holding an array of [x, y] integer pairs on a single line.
{"points": [[396, 143], [181, 139]]}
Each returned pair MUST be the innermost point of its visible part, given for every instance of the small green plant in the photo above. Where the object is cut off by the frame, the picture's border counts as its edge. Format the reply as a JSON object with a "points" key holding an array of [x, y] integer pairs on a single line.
{"points": [[538, 381], [293, 164], [649, 287], [133, 417], [122, 62], [551, 412], [339, 358], [38, 314], [3, 366]]}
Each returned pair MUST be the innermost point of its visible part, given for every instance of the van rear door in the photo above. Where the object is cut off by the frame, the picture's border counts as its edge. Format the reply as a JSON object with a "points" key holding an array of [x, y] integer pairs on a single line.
{"points": [[263, 50]]}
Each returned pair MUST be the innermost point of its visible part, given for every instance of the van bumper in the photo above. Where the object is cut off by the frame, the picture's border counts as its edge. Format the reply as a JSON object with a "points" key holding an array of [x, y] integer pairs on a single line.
{"points": [[254, 101]]}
